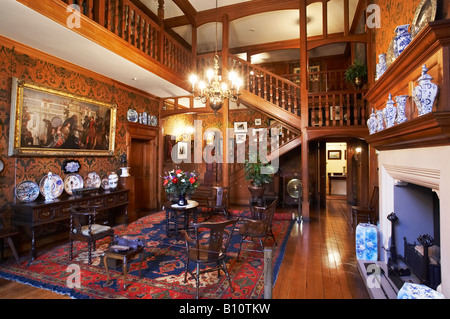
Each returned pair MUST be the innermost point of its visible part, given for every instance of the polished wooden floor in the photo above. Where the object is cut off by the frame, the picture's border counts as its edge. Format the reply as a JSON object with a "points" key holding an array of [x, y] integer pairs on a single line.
{"points": [[319, 262]]}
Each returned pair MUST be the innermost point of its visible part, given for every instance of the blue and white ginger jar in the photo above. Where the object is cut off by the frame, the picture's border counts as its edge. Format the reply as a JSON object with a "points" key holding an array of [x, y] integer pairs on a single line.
{"points": [[372, 123], [366, 237], [401, 108], [381, 66], [380, 121], [390, 112], [425, 93]]}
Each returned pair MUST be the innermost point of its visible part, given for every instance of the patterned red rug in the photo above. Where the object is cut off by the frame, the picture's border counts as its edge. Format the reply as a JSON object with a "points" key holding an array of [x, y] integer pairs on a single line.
{"points": [[162, 272]]}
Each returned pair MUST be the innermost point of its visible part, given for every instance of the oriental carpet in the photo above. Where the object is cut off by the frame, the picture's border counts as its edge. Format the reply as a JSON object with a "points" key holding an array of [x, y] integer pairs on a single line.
{"points": [[162, 270]]}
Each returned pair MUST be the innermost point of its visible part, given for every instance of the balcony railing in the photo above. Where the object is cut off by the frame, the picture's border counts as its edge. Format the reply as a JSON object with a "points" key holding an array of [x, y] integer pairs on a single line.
{"points": [[128, 22], [340, 108]]}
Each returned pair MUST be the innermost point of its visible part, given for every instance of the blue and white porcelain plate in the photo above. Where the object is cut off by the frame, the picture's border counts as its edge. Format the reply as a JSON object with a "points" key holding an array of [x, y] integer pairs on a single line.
{"points": [[27, 191], [132, 115], [153, 120]]}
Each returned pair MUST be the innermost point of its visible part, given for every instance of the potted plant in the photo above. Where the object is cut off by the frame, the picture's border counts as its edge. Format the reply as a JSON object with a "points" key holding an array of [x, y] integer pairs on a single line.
{"points": [[356, 74], [259, 174]]}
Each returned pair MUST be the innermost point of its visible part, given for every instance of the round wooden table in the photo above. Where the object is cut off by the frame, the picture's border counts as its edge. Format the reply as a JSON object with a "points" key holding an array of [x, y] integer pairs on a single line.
{"points": [[174, 211]]}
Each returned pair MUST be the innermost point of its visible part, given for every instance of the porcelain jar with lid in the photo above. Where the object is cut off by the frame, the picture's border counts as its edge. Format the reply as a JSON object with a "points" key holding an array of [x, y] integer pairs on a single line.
{"points": [[381, 66], [425, 93], [372, 123], [390, 112], [113, 180], [401, 108]]}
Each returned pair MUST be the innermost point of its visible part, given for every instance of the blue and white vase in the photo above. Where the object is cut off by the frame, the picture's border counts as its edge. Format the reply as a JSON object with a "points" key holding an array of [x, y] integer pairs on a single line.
{"points": [[381, 66], [366, 237], [402, 39], [401, 108], [390, 112], [380, 121], [425, 93], [372, 123], [49, 185]]}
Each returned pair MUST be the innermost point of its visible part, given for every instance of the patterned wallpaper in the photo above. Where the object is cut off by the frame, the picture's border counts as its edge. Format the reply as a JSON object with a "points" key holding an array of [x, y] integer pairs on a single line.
{"points": [[393, 14], [36, 70]]}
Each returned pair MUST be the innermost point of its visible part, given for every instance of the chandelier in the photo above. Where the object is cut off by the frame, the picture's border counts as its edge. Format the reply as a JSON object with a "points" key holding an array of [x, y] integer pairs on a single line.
{"points": [[214, 90]]}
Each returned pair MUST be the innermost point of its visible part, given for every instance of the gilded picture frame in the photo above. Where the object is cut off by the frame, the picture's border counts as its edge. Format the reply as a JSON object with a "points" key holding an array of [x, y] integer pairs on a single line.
{"points": [[51, 122]]}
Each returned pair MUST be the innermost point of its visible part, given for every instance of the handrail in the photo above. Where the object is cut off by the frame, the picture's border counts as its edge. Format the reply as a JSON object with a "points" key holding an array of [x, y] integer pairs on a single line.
{"points": [[338, 108], [128, 22], [271, 87]]}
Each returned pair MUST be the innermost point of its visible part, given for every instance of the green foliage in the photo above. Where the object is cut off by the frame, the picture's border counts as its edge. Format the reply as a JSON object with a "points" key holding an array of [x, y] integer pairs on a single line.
{"points": [[253, 172], [356, 70]]}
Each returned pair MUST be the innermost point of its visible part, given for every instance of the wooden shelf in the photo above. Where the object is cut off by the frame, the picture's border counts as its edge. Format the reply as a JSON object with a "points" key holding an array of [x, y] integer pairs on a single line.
{"points": [[431, 129], [431, 47]]}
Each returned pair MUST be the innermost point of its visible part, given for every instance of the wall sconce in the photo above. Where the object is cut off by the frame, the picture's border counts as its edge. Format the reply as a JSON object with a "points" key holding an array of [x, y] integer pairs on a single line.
{"points": [[358, 150]]}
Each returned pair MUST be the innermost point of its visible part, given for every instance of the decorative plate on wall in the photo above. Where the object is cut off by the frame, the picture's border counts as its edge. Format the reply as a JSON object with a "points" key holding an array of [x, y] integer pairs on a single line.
{"points": [[71, 182], [57, 185], [425, 12], [2, 166], [27, 191], [132, 115], [93, 180]]}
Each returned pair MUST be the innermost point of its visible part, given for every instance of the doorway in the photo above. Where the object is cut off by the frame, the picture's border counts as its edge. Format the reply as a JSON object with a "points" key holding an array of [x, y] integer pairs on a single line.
{"points": [[336, 169], [142, 155]]}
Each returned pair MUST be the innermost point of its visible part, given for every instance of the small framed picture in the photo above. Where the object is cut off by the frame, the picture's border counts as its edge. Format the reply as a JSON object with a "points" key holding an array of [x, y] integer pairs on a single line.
{"points": [[334, 155], [241, 138], [182, 150], [209, 137], [240, 127], [257, 121]]}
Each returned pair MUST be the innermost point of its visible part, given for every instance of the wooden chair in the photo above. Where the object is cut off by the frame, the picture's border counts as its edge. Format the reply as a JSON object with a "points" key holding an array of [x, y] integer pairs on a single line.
{"points": [[260, 225], [83, 228], [8, 233], [366, 213], [218, 200], [209, 246]]}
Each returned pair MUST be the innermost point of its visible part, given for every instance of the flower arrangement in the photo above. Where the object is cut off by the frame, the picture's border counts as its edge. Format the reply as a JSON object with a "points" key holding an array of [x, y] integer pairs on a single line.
{"points": [[178, 182]]}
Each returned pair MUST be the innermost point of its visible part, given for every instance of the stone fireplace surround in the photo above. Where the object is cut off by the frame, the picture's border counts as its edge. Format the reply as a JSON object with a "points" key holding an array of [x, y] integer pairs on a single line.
{"points": [[428, 167]]}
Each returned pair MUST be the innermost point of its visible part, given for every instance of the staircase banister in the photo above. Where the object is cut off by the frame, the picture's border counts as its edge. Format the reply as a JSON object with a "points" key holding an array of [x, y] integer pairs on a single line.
{"points": [[280, 78]]}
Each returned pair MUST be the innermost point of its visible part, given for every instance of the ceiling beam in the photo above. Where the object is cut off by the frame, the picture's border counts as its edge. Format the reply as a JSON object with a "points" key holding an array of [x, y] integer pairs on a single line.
{"points": [[236, 11], [189, 11], [313, 42]]}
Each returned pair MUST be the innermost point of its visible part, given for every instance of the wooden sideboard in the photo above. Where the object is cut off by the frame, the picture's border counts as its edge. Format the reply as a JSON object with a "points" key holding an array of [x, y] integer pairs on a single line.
{"points": [[39, 213]]}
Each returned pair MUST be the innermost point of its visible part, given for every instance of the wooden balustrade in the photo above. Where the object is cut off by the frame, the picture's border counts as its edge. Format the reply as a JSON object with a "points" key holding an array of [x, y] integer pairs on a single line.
{"points": [[343, 108], [128, 22], [323, 81]]}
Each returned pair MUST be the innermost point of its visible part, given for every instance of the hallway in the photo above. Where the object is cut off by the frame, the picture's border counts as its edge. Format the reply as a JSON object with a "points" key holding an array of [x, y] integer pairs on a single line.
{"points": [[320, 259]]}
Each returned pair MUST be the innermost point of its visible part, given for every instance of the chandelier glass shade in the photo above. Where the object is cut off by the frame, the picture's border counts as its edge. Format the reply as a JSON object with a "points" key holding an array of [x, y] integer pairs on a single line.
{"points": [[214, 90]]}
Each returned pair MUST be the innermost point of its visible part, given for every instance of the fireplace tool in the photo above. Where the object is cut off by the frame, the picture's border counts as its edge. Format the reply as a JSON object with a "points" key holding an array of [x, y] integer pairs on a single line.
{"points": [[396, 269]]}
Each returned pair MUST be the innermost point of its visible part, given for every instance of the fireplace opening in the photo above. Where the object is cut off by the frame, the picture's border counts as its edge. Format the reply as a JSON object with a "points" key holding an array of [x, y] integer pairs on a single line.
{"points": [[415, 237]]}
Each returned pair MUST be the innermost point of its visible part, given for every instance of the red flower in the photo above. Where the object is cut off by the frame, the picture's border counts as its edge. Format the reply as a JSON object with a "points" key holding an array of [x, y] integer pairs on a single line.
{"points": [[192, 180], [166, 182], [178, 171], [174, 180]]}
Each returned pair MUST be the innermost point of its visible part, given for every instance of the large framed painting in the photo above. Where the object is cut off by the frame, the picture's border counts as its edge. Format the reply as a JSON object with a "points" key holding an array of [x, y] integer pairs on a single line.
{"points": [[50, 122]]}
